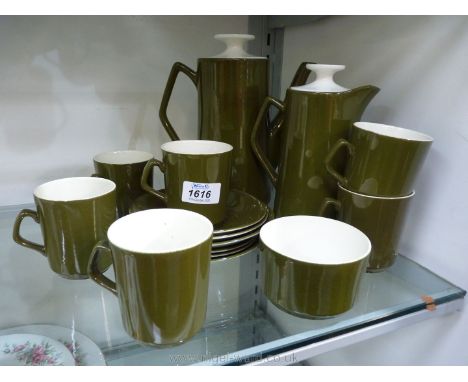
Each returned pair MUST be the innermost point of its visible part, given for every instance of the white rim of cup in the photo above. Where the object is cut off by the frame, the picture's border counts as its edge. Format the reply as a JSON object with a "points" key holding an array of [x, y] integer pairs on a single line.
{"points": [[314, 240], [196, 147], [74, 189], [393, 131], [160, 231], [377, 197], [123, 157]]}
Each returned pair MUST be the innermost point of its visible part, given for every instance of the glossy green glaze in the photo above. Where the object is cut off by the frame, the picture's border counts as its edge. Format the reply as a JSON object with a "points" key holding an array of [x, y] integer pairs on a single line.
{"points": [[313, 122], [379, 165], [310, 290], [232, 235], [381, 219], [230, 93], [146, 202], [70, 230], [275, 131], [127, 179], [243, 211], [177, 168], [231, 250], [162, 296]]}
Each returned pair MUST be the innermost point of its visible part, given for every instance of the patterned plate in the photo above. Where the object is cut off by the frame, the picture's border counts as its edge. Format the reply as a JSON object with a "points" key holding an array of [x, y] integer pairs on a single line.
{"points": [[33, 350], [85, 351]]}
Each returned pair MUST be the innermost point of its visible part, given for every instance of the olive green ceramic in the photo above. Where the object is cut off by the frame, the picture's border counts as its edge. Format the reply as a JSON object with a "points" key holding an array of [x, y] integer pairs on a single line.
{"points": [[124, 168], [246, 251], [146, 202], [313, 122], [236, 240], [161, 263], [383, 160], [73, 214], [229, 251], [243, 212], [312, 265], [241, 233], [197, 176], [381, 218], [231, 88]]}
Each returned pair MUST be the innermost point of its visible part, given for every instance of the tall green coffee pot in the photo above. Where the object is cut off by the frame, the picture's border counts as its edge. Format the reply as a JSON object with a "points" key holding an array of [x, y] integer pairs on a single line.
{"points": [[231, 88], [314, 117]]}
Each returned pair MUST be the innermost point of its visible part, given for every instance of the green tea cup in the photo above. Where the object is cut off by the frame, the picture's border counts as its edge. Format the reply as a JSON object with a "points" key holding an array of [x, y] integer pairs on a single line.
{"points": [[197, 176], [124, 168], [383, 160], [73, 214], [380, 218], [312, 265], [161, 263]]}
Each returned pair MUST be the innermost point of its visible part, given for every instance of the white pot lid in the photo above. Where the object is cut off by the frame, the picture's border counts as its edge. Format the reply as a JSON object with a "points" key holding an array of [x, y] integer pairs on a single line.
{"points": [[235, 46], [324, 82]]}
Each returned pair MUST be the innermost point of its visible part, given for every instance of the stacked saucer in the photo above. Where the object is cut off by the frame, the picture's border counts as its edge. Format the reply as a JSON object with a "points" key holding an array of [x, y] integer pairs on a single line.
{"points": [[238, 233], [240, 229]]}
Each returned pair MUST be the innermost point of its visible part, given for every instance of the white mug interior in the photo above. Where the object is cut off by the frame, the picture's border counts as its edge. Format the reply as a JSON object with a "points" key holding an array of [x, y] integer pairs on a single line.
{"points": [[393, 131], [373, 197], [160, 231], [315, 240], [76, 188], [123, 157], [196, 147]]}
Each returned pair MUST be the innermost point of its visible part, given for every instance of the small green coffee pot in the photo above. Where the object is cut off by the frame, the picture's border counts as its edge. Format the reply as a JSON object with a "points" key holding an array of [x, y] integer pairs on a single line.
{"points": [[312, 118], [231, 88]]}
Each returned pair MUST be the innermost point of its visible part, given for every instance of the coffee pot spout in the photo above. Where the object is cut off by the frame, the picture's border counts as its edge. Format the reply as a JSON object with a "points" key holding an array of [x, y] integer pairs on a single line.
{"points": [[362, 96]]}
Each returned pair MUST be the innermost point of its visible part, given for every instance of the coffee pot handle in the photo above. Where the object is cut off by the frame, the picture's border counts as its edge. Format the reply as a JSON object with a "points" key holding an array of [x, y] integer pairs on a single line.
{"points": [[145, 177], [93, 267], [329, 159], [20, 239], [301, 75], [329, 202], [271, 171], [176, 69]]}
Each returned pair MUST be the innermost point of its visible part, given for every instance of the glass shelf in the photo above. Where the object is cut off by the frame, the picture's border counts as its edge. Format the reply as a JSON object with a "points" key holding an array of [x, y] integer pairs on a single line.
{"points": [[241, 325]]}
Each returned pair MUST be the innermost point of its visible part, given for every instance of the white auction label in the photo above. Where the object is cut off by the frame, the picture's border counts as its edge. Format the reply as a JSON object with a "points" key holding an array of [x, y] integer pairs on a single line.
{"points": [[201, 193]]}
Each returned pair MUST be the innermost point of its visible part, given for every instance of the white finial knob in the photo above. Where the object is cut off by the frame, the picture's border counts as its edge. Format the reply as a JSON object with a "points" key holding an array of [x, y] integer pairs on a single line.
{"points": [[235, 45], [324, 82]]}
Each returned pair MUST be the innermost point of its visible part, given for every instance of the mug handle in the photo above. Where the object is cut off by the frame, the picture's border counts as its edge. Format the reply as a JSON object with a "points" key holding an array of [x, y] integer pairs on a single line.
{"points": [[329, 202], [145, 176], [176, 69], [329, 158], [20, 239], [254, 137], [93, 267]]}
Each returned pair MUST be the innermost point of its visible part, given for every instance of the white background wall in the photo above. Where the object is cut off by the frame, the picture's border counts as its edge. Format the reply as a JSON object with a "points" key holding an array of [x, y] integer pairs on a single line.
{"points": [[421, 66], [71, 87]]}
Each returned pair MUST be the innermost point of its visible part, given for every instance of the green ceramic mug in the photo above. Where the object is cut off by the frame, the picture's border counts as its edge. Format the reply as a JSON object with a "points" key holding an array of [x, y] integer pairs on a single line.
{"points": [[161, 263], [197, 176], [312, 265], [125, 169], [380, 218], [73, 214], [383, 160]]}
